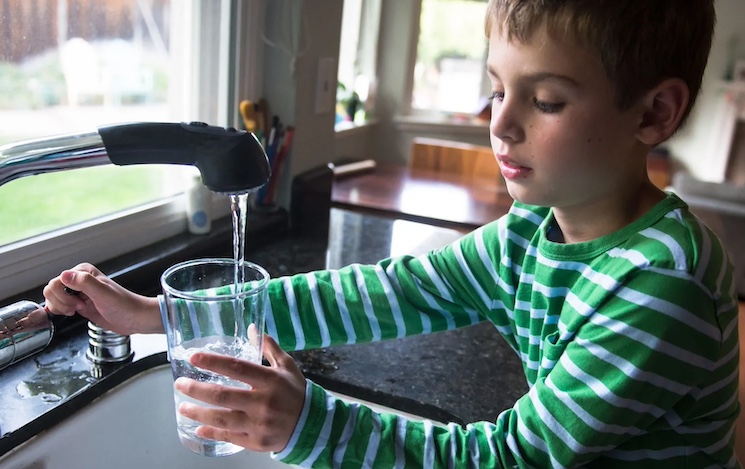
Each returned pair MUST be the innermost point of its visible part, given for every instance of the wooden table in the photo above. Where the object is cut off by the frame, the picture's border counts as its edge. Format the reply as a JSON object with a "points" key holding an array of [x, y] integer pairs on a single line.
{"points": [[436, 198]]}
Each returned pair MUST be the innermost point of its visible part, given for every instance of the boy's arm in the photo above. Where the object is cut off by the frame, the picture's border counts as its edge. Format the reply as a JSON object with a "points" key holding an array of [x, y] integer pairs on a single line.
{"points": [[394, 298], [629, 370]]}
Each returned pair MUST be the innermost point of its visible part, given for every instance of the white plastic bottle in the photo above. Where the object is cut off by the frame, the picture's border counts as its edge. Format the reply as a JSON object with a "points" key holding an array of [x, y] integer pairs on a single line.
{"points": [[198, 203]]}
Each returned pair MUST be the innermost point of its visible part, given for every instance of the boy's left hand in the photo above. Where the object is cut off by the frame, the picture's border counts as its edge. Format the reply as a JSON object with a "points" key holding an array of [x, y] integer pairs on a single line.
{"points": [[259, 419]]}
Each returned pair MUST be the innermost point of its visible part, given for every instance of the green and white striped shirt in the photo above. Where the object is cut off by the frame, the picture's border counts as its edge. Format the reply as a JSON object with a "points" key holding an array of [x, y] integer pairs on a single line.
{"points": [[628, 342]]}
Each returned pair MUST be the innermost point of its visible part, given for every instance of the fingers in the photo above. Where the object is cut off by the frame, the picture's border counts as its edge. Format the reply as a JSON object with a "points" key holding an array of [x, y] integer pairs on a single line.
{"points": [[261, 418], [227, 398], [243, 370], [240, 417], [60, 302], [237, 437], [231, 367], [61, 292], [84, 281]]}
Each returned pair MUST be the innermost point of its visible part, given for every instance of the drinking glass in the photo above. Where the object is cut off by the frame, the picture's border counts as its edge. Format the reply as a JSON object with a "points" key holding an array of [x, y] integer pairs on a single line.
{"points": [[203, 310]]}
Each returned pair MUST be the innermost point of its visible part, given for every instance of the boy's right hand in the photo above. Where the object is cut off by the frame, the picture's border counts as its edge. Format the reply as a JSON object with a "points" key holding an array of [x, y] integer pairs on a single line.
{"points": [[102, 301]]}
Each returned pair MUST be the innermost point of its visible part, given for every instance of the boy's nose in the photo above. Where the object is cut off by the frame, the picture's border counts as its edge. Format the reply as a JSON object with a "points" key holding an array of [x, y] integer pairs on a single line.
{"points": [[505, 121]]}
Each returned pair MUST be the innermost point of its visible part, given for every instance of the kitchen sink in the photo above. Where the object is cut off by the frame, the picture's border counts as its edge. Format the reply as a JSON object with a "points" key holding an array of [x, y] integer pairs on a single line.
{"points": [[131, 425]]}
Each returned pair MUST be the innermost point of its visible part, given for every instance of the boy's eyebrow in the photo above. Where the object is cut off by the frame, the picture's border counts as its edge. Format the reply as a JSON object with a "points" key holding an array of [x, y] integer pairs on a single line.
{"points": [[540, 76]]}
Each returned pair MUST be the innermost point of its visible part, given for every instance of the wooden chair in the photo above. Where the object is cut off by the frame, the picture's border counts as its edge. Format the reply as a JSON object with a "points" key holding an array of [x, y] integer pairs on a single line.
{"points": [[453, 157]]}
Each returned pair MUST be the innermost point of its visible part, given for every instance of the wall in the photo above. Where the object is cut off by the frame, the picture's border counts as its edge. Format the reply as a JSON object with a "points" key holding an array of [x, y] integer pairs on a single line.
{"points": [[692, 146], [355, 143], [399, 25], [290, 85]]}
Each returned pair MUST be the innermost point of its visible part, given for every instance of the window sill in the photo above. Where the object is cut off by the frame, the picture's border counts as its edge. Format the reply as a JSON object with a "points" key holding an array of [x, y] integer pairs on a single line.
{"points": [[34, 261], [140, 269], [440, 124], [351, 129]]}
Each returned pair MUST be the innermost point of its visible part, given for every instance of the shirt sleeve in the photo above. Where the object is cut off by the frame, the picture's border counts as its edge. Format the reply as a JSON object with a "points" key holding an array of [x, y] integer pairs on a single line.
{"points": [[397, 297]]}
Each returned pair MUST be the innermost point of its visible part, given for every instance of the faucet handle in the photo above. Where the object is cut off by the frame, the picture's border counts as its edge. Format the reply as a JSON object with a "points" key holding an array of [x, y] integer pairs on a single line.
{"points": [[106, 347]]}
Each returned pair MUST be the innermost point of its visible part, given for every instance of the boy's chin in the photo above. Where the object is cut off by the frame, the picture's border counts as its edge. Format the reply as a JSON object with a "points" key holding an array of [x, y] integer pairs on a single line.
{"points": [[523, 195]]}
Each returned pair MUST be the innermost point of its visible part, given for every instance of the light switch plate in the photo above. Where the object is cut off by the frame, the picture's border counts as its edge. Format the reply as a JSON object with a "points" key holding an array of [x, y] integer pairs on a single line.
{"points": [[326, 85]]}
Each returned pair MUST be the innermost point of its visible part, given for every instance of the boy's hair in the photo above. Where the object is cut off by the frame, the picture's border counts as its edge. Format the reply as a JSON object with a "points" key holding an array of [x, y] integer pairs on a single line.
{"points": [[639, 42]]}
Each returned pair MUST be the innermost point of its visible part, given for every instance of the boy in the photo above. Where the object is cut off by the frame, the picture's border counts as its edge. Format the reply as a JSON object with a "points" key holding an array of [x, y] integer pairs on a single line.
{"points": [[619, 302]]}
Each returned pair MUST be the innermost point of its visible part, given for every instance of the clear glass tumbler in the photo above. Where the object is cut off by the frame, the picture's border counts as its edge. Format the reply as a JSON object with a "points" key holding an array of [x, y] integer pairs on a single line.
{"points": [[217, 306]]}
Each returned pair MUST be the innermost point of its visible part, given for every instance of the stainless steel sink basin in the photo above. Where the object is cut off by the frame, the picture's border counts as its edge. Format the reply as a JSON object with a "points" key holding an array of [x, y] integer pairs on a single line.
{"points": [[132, 425]]}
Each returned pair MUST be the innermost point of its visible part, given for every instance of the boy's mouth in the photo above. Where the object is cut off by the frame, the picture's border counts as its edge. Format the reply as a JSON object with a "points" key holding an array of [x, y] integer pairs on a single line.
{"points": [[510, 169]]}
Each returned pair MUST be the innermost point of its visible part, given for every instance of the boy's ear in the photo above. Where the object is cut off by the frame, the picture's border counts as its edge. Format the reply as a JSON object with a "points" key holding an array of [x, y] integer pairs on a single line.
{"points": [[663, 108]]}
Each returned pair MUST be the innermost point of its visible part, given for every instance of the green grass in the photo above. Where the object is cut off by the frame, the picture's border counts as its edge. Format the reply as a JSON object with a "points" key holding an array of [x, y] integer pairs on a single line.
{"points": [[33, 205]]}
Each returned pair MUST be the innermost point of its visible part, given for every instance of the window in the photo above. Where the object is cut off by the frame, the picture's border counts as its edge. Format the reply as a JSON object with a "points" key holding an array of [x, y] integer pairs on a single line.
{"points": [[74, 66], [449, 75], [71, 66], [357, 59]]}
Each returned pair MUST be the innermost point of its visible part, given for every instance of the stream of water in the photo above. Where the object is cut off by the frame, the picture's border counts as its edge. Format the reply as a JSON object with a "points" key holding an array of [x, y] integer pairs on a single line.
{"points": [[239, 209]]}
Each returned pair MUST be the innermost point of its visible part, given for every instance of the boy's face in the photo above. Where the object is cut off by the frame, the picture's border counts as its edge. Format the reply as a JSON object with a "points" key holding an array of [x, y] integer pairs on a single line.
{"points": [[555, 130]]}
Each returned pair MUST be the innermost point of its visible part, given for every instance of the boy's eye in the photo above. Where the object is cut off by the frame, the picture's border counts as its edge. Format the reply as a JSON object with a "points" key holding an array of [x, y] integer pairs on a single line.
{"points": [[498, 95], [546, 107]]}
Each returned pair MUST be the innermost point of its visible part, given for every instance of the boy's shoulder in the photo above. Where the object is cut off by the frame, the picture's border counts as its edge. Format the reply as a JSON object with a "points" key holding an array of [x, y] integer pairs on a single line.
{"points": [[669, 235], [673, 234]]}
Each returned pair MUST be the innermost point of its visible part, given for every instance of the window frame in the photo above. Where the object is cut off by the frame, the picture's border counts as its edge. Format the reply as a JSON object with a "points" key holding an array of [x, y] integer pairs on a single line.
{"points": [[367, 26], [408, 111], [31, 262]]}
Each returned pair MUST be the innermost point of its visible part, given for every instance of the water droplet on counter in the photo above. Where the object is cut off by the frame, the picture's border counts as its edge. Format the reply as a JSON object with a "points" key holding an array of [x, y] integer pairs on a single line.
{"points": [[58, 376], [53, 388], [53, 358], [26, 392]]}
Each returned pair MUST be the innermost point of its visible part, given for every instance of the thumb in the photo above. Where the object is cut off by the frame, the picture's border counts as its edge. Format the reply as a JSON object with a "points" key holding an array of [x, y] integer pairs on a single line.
{"points": [[272, 351], [83, 282]]}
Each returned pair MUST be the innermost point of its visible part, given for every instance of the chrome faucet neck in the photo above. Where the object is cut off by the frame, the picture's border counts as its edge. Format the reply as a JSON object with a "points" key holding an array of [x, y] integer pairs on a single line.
{"points": [[230, 161], [50, 154]]}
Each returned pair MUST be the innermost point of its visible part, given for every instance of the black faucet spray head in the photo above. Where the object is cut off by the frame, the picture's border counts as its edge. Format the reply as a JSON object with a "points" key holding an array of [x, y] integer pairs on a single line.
{"points": [[231, 161]]}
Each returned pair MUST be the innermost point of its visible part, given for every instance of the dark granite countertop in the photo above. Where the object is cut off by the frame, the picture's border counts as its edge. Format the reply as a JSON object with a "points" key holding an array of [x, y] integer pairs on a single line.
{"points": [[464, 375]]}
